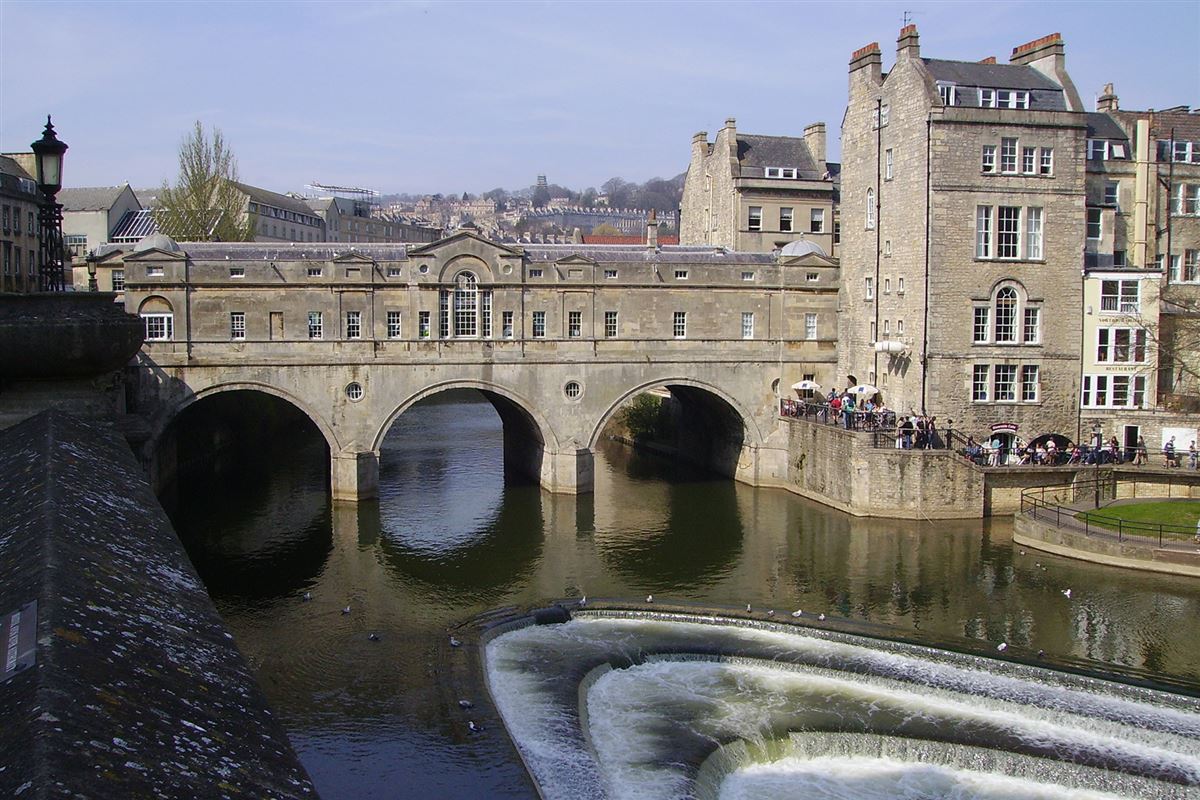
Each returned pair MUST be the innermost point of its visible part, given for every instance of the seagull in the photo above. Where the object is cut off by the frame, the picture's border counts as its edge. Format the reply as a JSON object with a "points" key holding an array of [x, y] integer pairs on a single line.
{"points": [[799, 612], [465, 704], [649, 598], [307, 596], [1037, 563], [583, 600], [1022, 552], [1041, 653], [473, 727], [346, 610], [771, 613], [454, 642], [373, 637], [821, 617], [1002, 646], [747, 608], [1067, 593]]}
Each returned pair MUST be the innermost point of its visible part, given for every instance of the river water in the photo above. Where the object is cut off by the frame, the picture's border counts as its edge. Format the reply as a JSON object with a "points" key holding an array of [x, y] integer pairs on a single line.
{"points": [[450, 540]]}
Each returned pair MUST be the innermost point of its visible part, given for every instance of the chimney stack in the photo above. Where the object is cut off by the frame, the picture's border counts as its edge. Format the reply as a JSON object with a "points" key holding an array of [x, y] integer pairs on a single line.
{"points": [[814, 137], [907, 46], [1107, 101], [1048, 56], [652, 230], [868, 62]]}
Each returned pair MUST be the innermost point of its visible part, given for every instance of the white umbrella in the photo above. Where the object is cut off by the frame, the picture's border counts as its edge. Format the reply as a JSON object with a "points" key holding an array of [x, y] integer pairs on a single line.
{"points": [[865, 389], [806, 386]]}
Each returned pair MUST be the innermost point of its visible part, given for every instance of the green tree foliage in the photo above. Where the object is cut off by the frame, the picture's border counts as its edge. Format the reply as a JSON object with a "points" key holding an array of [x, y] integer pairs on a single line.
{"points": [[645, 418], [604, 229], [205, 203]]}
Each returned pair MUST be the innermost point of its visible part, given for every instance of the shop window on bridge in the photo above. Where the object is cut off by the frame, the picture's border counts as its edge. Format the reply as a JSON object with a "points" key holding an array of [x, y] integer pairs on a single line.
{"points": [[465, 310]]}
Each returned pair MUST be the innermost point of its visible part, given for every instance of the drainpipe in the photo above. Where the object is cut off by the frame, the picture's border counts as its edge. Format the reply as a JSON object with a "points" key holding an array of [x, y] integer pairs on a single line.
{"points": [[928, 231], [878, 290]]}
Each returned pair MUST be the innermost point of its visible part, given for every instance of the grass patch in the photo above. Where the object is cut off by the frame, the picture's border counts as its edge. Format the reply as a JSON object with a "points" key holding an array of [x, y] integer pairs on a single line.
{"points": [[1144, 518]]}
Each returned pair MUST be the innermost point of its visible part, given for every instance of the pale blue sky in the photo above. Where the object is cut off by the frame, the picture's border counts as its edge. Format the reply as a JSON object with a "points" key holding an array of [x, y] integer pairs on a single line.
{"points": [[452, 97]]}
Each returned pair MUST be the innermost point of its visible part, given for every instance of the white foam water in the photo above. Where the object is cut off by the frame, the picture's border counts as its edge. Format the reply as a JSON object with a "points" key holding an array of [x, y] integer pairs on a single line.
{"points": [[676, 694]]}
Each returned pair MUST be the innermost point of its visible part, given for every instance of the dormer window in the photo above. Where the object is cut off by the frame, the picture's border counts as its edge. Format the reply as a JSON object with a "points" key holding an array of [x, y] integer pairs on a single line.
{"points": [[1097, 150], [781, 172], [948, 93], [1003, 98]]}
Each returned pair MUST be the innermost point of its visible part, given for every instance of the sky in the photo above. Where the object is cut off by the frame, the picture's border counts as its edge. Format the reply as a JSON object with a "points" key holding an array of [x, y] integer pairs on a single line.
{"points": [[426, 97]]}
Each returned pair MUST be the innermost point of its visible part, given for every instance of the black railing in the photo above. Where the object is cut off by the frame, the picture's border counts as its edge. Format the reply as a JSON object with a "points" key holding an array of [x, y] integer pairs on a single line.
{"points": [[1066, 509]]}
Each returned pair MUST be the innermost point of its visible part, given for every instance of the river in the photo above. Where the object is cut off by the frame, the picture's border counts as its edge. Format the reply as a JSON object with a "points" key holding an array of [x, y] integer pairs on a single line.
{"points": [[450, 540]]}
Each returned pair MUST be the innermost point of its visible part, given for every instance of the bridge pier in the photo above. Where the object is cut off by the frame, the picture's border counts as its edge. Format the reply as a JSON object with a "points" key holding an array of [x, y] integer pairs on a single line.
{"points": [[570, 471], [354, 476]]}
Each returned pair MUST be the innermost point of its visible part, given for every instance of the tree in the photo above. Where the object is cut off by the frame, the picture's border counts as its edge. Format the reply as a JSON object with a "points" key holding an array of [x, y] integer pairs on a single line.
{"points": [[541, 196], [604, 229], [205, 203]]}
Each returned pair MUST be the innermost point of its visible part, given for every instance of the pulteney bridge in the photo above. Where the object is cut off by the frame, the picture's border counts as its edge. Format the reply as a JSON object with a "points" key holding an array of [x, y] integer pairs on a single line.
{"points": [[556, 337]]}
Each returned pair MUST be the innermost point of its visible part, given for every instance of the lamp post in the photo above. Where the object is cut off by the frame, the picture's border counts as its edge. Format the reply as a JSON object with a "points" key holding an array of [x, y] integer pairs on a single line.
{"points": [[1097, 433], [48, 157]]}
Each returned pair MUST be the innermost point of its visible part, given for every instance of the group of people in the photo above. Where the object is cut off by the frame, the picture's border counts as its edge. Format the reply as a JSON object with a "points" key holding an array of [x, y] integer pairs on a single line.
{"points": [[918, 432], [1170, 457], [853, 412], [1049, 453]]}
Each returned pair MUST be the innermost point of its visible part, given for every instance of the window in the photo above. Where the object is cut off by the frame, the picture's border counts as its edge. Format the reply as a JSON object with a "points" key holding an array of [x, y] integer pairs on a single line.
{"points": [[755, 220], [392, 272], [681, 274], [1006, 315], [1120, 296], [1033, 233], [887, 328], [1047, 161], [816, 220], [887, 285], [237, 325], [1097, 149], [1032, 327], [812, 277], [394, 329], [1008, 155], [781, 172], [76, 244], [785, 220], [154, 272], [873, 337], [423, 327], [983, 232], [1119, 258], [315, 330], [948, 93], [980, 327], [679, 325], [610, 324], [870, 209], [535, 272], [888, 163], [900, 286], [747, 324], [1029, 383], [610, 274], [1008, 232], [1115, 391], [506, 324], [1004, 378], [899, 327], [118, 280], [979, 383], [1121, 345], [1187, 152], [1112, 193], [868, 288], [747, 276], [574, 324], [1029, 160], [237, 272], [314, 272], [1003, 98], [1191, 266], [539, 324], [466, 305], [837, 233], [159, 327], [989, 158], [810, 326], [883, 114], [1094, 226]]}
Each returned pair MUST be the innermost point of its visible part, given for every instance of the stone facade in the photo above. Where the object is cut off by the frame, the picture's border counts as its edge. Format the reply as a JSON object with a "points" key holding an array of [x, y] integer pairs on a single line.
{"points": [[757, 193], [19, 235], [557, 336], [962, 203]]}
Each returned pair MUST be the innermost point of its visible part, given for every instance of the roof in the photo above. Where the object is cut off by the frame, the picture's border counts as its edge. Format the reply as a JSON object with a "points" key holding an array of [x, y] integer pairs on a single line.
{"points": [[757, 152], [619, 253], [134, 226], [267, 197], [1184, 124], [802, 247], [10, 167], [91, 198], [1101, 126], [292, 251], [1044, 93]]}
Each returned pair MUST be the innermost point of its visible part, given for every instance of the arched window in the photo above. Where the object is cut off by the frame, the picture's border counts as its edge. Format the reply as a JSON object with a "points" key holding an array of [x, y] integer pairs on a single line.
{"points": [[159, 318], [466, 305], [1006, 315], [870, 208]]}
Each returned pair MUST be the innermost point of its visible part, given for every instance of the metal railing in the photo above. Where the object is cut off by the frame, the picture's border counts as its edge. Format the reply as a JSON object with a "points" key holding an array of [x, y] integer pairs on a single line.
{"points": [[1066, 510]]}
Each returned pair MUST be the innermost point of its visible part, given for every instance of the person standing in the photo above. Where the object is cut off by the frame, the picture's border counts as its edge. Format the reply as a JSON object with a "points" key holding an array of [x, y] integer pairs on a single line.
{"points": [[1169, 453], [1139, 457], [1192, 455]]}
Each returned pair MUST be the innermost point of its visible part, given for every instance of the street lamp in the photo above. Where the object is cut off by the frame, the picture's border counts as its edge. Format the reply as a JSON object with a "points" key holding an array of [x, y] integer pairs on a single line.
{"points": [[48, 157]]}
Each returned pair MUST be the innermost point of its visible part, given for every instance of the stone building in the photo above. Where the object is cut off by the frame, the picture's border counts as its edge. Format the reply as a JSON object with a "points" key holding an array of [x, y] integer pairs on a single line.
{"points": [[963, 192], [19, 234], [1141, 329], [349, 220], [91, 215], [757, 193]]}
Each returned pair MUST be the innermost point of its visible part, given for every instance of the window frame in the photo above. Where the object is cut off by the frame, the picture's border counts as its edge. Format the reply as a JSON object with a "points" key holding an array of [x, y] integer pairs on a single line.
{"points": [[754, 218], [316, 325], [237, 326]]}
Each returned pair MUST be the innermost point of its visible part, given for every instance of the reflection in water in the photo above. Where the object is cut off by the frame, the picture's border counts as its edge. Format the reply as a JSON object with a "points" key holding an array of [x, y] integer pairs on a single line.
{"points": [[449, 540]]}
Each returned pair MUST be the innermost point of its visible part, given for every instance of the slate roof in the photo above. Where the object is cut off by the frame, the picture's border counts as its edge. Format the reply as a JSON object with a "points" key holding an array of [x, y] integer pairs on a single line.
{"points": [[135, 687], [292, 251], [267, 197], [757, 152], [620, 253], [90, 198], [1044, 93], [1184, 124], [10, 167], [1101, 126]]}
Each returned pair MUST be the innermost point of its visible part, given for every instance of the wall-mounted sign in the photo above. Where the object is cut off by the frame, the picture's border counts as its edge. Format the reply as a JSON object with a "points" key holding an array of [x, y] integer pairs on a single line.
{"points": [[1005, 427], [18, 640]]}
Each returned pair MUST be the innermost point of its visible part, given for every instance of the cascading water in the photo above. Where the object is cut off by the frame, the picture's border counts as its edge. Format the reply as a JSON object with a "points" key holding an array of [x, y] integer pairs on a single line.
{"points": [[639, 705]]}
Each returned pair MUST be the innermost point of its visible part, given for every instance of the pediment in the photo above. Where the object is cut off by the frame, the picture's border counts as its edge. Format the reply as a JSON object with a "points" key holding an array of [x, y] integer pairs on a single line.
{"points": [[464, 241], [576, 260], [156, 254], [809, 260], [352, 257]]}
